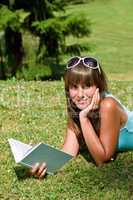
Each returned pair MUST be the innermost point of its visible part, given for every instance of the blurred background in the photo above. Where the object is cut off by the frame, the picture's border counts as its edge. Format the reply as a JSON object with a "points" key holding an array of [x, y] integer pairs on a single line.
{"points": [[37, 37]]}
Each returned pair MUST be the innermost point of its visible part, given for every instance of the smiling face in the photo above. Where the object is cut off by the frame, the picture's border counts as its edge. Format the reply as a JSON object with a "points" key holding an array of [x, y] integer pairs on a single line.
{"points": [[81, 95], [80, 85]]}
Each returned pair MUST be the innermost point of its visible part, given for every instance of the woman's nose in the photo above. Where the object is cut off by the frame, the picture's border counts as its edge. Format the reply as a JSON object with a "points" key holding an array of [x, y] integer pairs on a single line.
{"points": [[80, 92]]}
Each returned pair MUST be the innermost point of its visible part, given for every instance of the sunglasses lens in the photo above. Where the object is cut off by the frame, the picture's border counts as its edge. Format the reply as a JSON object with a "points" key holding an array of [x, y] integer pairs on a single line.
{"points": [[72, 62], [91, 62]]}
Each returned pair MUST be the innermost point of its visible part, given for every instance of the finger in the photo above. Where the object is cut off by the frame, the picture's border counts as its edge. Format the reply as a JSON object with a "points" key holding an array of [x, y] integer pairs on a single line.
{"points": [[41, 168], [95, 101], [96, 96], [96, 91], [94, 107], [34, 169], [43, 173]]}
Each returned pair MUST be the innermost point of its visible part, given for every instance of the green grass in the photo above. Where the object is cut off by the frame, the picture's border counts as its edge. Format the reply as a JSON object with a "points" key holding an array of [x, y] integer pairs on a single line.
{"points": [[35, 112]]}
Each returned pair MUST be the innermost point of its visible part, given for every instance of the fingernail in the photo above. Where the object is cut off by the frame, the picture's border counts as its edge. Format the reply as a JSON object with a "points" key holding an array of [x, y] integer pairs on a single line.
{"points": [[44, 164], [37, 164]]}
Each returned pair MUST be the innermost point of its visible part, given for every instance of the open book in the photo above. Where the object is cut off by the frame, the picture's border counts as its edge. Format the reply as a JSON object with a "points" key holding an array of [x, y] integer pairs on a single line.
{"points": [[28, 155]]}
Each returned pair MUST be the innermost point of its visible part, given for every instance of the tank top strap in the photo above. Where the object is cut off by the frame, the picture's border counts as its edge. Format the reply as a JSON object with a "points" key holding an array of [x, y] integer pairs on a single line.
{"points": [[129, 123]]}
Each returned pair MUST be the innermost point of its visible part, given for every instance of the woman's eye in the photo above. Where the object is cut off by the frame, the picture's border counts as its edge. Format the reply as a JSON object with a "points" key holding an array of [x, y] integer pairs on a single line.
{"points": [[74, 86], [85, 87]]}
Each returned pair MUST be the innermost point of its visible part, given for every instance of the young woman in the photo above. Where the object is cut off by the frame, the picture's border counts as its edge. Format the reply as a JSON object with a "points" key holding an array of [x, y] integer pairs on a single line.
{"points": [[96, 119]]}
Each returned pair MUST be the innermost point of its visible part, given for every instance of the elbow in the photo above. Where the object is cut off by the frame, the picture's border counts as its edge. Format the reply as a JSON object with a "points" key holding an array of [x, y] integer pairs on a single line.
{"points": [[99, 163], [104, 159]]}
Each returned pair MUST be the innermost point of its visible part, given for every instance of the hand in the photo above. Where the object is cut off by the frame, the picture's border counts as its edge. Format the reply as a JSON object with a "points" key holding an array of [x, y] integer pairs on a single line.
{"points": [[39, 170], [93, 105]]}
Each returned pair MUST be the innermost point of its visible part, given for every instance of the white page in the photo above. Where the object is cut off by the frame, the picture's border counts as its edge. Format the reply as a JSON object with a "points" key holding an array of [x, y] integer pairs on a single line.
{"points": [[18, 149]]}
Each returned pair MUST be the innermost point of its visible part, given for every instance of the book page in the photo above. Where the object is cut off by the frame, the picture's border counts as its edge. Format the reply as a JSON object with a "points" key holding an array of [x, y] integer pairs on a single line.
{"points": [[19, 149]]}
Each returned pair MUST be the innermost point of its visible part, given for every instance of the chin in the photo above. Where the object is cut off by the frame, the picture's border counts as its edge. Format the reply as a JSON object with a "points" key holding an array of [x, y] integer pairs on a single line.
{"points": [[82, 107]]}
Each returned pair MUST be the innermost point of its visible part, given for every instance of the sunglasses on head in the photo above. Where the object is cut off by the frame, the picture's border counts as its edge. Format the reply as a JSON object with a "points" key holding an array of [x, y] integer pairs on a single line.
{"points": [[89, 62]]}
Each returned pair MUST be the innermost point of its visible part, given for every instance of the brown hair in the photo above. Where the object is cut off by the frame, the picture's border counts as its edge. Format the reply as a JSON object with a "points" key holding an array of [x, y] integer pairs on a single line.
{"points": [[81, 74]]}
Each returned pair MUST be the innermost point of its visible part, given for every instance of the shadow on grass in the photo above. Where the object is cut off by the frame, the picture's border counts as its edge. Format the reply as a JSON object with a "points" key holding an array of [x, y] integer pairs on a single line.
{"points": [[23, 173]]}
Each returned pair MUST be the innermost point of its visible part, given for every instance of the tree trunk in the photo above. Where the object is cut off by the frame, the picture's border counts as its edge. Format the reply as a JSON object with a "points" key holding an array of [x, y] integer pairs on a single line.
{"points": [[2, 66], [14, 50]]}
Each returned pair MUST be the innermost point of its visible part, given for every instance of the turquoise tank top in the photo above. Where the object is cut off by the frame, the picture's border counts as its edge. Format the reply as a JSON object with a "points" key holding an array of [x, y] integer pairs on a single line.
{"points": [[125, 141]]}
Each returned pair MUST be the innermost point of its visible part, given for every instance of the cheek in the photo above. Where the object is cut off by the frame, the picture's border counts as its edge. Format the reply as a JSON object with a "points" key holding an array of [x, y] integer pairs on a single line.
{"points": [[90, 91], [72, 93]]}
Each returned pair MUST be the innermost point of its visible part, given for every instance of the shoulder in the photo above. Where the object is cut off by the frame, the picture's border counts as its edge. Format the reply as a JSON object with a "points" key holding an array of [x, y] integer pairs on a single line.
{"points": [[110, 115], [108, 104]]}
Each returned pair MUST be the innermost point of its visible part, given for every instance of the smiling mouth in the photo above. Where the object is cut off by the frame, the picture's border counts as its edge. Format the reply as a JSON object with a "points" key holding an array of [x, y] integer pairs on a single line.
{"points": [[81, 102]]}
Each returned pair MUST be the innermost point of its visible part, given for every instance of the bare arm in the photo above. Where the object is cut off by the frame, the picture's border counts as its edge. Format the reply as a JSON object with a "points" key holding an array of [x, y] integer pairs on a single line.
{"points": [[103, 147], [71, 145]]}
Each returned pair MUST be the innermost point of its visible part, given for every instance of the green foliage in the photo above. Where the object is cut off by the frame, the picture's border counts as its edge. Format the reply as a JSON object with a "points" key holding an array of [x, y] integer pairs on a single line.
{"points": [[46, 25], [6, 16], [54, 31], [77, 26], [12, 19], [77, 1], [22, 15], [76, 49], [34, 72]]}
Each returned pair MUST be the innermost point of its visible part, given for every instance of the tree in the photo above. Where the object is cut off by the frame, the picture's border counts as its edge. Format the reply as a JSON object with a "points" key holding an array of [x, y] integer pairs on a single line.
{"points": [[45, 19], [53, 29]]}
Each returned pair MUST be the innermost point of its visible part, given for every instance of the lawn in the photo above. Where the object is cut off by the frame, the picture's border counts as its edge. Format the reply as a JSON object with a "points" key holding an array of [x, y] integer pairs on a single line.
{"points": [[36, 111], [111, 38]]}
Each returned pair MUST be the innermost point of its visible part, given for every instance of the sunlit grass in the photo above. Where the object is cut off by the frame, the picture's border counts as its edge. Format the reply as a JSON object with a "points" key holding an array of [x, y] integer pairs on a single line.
{"points": [[111, 36], [35, 112]]}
